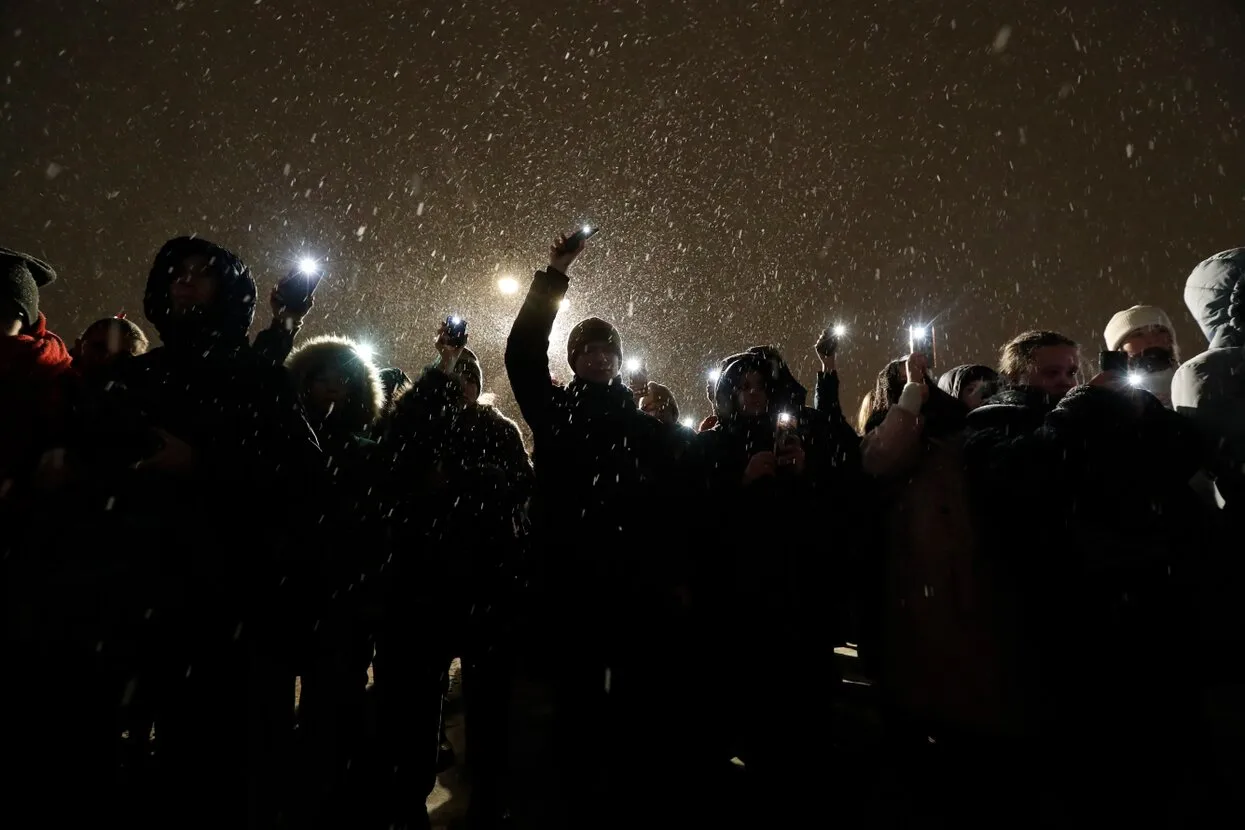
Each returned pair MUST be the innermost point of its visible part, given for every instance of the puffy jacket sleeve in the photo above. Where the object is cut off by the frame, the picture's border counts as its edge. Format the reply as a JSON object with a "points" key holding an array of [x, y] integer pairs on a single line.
{"points": [[518, 466], [419, 429], [826, 394], [527, 348], [895, 445], [274, 344]]}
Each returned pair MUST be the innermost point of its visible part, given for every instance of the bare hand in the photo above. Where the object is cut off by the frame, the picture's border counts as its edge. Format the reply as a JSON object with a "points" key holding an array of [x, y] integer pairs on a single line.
{"points": [[291, 317], [638, 381], [918, 368], [174, 455], [791, 456], [560, 259], [759, 466], [449, 352], [1118, 382]]}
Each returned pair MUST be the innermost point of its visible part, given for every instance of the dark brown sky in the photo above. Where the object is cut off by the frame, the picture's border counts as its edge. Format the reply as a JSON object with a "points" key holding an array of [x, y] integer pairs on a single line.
{"points": [[759, 168]]}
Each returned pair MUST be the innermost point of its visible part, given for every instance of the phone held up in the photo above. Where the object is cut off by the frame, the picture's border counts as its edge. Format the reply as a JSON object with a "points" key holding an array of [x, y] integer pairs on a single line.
{"points": [[300, 284], [921, 341], [1113, 362], [785, 433], [455, 331], [579, 237]]}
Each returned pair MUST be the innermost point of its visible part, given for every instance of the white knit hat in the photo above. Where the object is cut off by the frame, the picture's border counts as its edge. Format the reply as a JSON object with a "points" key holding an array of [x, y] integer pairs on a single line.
{"points": [[1133, 319]]}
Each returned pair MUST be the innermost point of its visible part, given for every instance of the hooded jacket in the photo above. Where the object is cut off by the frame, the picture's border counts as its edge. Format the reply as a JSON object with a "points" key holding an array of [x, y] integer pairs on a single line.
{"points": [[226, 321], [366, 394], [754, 583], [1210, 388], [954, 381], [1215, 296], [208, 388]]}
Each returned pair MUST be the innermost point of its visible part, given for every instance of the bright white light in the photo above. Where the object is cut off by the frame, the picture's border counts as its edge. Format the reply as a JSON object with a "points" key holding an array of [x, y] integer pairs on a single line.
{"points": [[365, 352], [634, 364], [587, 229], [508, 285], [455, 320], [917, 332], [308, 265], [840, 330], [563, 303], [784, 418], [714, 374], [689, 423], [1136, 378]]}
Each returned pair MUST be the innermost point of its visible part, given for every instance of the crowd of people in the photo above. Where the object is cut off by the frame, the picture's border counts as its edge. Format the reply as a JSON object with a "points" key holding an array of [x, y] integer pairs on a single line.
{"points": [[1037, 573]]}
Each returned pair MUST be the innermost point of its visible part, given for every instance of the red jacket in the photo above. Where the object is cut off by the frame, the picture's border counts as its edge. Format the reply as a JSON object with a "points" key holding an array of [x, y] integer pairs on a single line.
{"points": [[35, 368]]}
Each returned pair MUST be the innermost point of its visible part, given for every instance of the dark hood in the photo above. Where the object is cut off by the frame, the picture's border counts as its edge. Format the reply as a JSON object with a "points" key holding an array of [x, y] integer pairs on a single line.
{"points": [[1018, 407], [227, 320], [785, 392], [1030, 397], [954, 381]]}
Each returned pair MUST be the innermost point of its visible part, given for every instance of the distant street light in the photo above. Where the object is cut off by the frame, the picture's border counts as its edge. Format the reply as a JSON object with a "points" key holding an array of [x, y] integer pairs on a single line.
{"points": [[634, 364], [508, 285], [563, 303], [365, 352]]}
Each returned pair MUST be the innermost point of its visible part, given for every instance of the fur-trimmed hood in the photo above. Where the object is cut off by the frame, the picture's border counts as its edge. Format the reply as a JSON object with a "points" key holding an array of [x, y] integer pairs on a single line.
{"points": [[367, 392]]}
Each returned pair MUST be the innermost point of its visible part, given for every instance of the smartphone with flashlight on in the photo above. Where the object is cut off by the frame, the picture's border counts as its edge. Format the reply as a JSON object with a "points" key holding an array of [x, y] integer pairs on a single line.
{"points": [[1113, 362], [455, 331], [300, 284], [921, 341], [785, 435], [579, 237], [828, 343]]}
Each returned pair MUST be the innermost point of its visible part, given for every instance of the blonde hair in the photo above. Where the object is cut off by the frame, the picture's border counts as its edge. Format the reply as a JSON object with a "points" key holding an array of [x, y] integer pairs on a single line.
{"points": [[862, 414]]}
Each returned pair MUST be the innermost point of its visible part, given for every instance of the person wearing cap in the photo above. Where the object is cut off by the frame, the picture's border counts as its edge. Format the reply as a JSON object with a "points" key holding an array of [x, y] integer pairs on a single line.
{"points": [[34, 366], [601, 465], [1145, 333]]}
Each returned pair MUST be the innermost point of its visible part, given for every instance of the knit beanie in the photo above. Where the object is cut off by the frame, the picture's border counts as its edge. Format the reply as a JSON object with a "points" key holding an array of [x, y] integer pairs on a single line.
{"points": [[21, 277], [592, 330], [468, 366], [1133, 319]]}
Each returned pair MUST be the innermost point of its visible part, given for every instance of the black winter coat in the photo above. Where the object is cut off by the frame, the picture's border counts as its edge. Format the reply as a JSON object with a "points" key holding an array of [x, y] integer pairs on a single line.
{"points": [[1088, 505], [600, 462]]}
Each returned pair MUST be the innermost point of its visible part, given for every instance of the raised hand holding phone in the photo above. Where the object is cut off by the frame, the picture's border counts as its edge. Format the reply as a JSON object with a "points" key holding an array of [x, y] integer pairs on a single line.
{"points": [[451, 340], [566, 248], [297, 289], [918, 370], [827, 345], [294, 294], [788, 448]]}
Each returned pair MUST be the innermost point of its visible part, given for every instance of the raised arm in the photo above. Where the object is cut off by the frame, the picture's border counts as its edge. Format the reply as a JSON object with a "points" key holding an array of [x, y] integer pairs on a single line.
{"points": [[527, 348]]}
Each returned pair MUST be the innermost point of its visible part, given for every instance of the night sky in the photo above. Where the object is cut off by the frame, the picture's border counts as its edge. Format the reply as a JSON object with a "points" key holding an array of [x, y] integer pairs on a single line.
{"points": [[759, 169]]}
